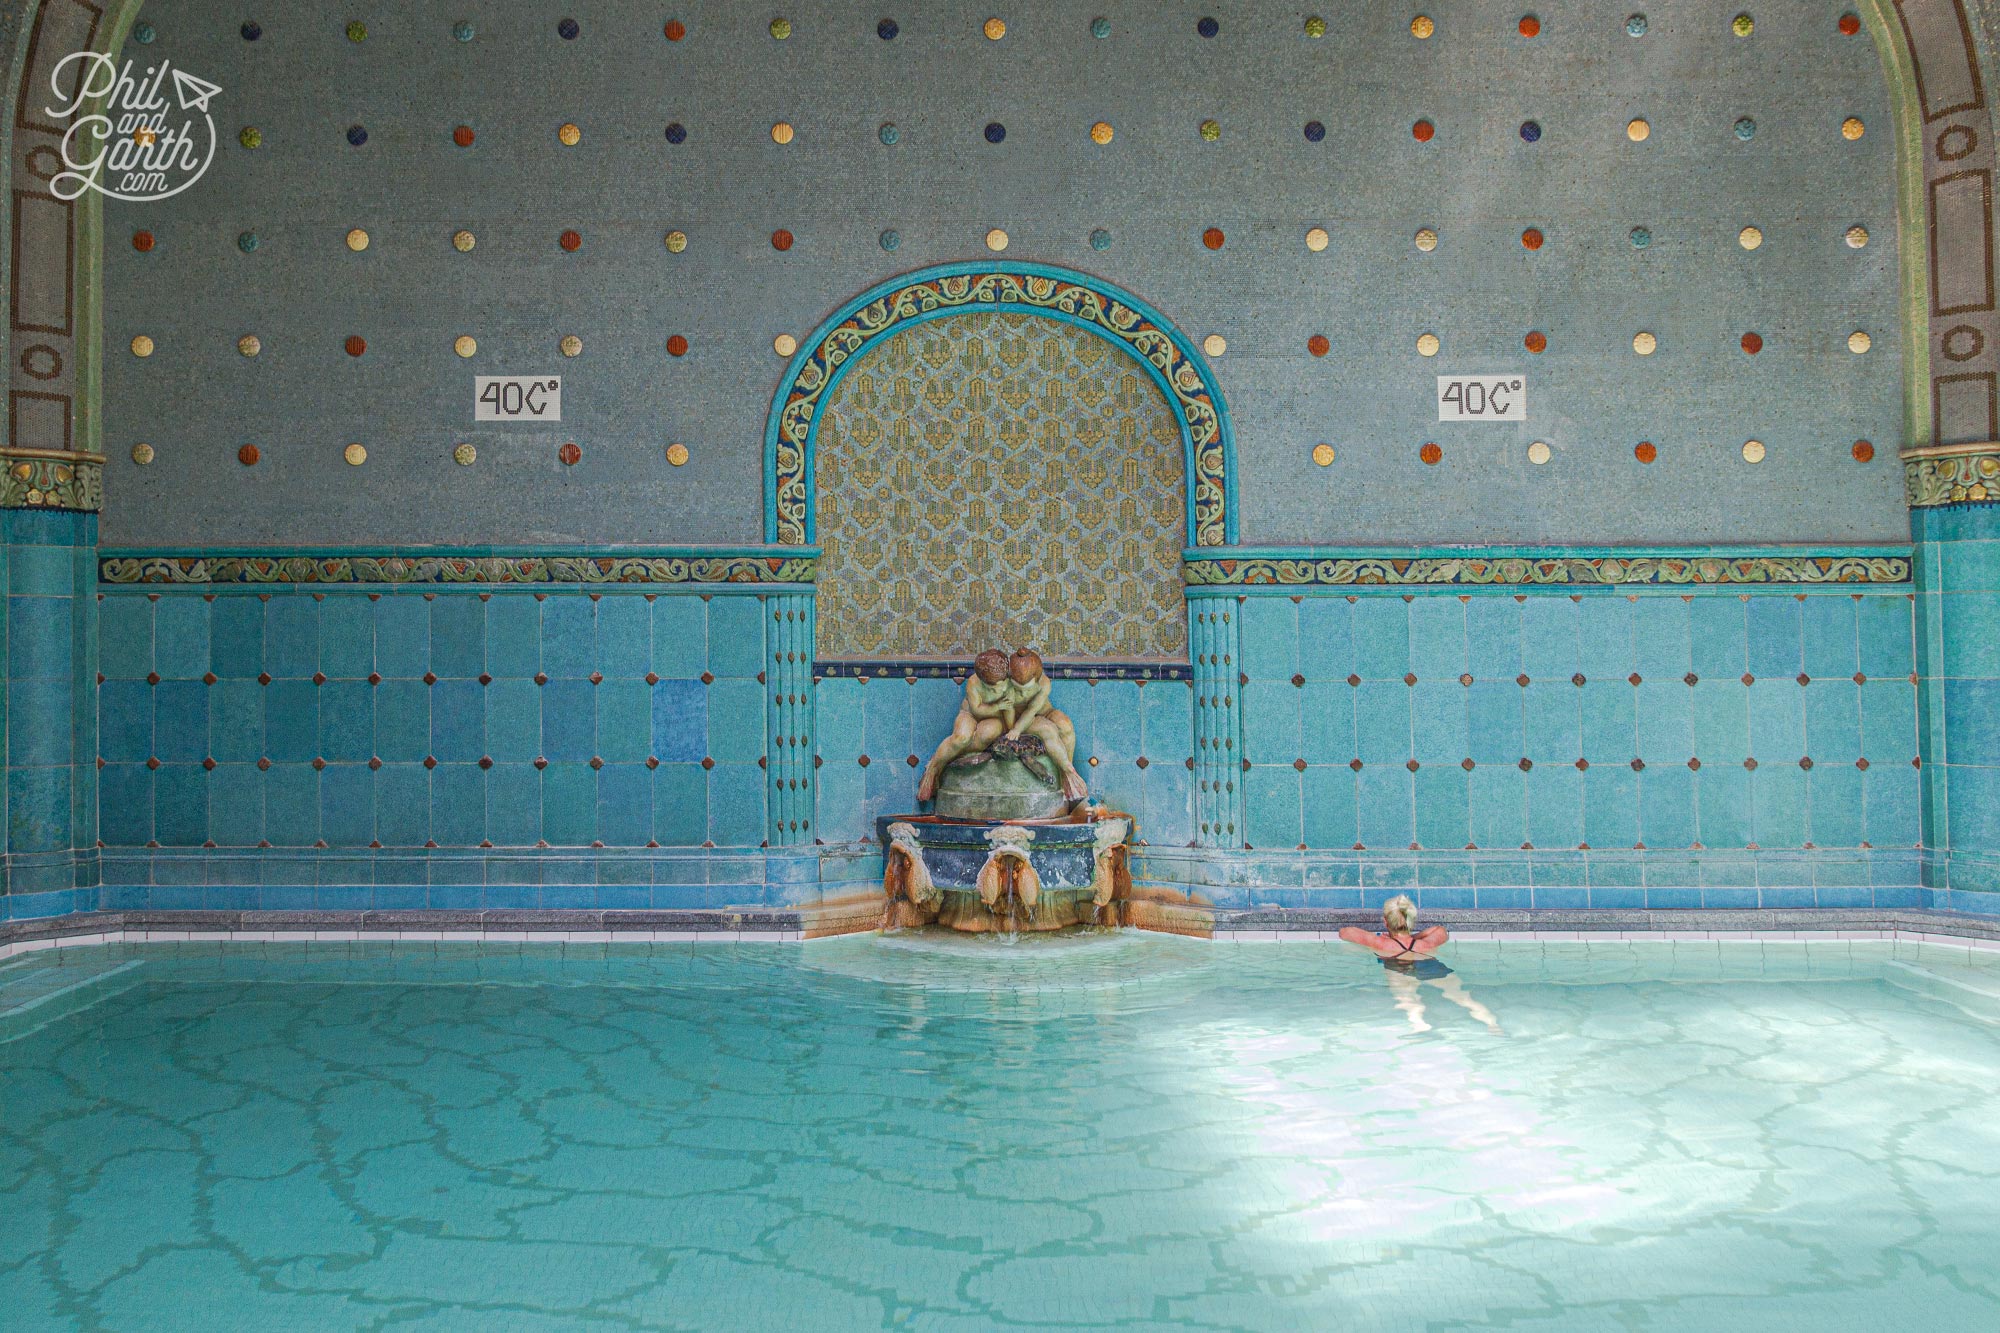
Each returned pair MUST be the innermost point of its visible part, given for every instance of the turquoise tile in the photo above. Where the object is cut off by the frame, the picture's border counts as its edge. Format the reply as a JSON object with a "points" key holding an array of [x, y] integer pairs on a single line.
{"points": [[41, 571], [1666, 806], [1832, 637], [347, 805], [346, 721], [42, 728], [1834, 805], [1611, 806], [837, 717], [1555, 806], [736, 721], [624, 802], [1327, 796], [236, 636], [41, 639], [513, 720], [402, 720], [569, 719], [624, 720], [180, 637], [402, 636], [1115, 737], [1271, 722], [1438, 722], [291, 720], [1384, 812], [1494, 718], [125, 720], [736, 805], [1969, 566], [1552, 722], [1888, 721], [1382, 722], [1776, 635], [458, 804], [1661, 646], [402, 805], [235, 721], [1270, 638], [1833, 721], [680, 722], [1497, 806], [1779, 801], [1609, 726], [1169, 814], [126, 794], [1493, 637], [569, 635], [125, 637], [1887, 639], [1972, 634], [1777, 721], [624, 635], [458, 721], [1326, 639], [1271, 806], [1549, 637], [513, 804], [291, 635], [736, 636], [180, 805], [1381, 628], [680, 636], [1440, 808], [180, 720], [1972, 719], [38, 814], [1721, 714], [513, 635], [457, 635], [569, 805], [1605, 637], [1437, 637], [1889, 796], [934, 706], [838, 796], [1326, 724], [1717, 636], [291, 806], [346, 635], [886, 721], [1724, 813]]}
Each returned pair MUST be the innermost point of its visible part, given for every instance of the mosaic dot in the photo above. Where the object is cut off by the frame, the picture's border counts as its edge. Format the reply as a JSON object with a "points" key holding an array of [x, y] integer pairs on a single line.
{"points": [[464, 32], [1314, 131], [782, 132], [1530, 26], [784, 344], [355, 344], [677, 454], [1638, 131], [781, 239], [1863, 451], [1100, 27], [677, 345], [463, 241], [995, 132], [249, 344], [1538, 453], [355, 455], [676, 133], [677, 241], [887, 30], [1753, 451], [1743, 25], [1427, 344], [250, 137], [569, 135], [1323, 455], [1213, 238], [570, 454], [357, 135], [1100, 239], [465, 455], [1536, 342], [1645, 452], [1426, 239], [1101, 132], [1640, 238], [1421, 27], [1207, 27], [1317, 239], [251, 32], [994, 30], [246, 241], [1746, 129], [465, 344], [996, 240], [1531, 239], [142, 454], [1315, 26], [1635, 26], [1431, 454], [1215, 344], [1319, 344], [781, 28], [570, 241], [248, 455], [1852, 128], [1750, 238], [1423, 131], [142, 346], [889, 240], [1211, 130], [143, 34], [357, 31], [1531, 131], [1856, 237], [142, 241], [571, 345], [462, 136], [357, 240], [1752, 344], [1849, 25], [1859, 342], [889, 134]]}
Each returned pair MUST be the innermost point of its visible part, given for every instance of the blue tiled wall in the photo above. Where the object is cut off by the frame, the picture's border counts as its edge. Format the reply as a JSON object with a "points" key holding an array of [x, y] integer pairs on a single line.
{"points": [[1958, 583]]}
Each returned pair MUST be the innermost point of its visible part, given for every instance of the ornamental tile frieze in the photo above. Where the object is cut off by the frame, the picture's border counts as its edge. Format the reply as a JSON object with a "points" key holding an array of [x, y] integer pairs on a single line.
{"points": [[1952, 475], [449, 569], [1555, 571]]}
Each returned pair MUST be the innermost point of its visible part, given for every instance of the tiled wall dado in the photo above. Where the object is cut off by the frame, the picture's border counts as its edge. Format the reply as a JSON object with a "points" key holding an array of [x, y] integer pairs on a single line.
{"points": [[1958, 597]]}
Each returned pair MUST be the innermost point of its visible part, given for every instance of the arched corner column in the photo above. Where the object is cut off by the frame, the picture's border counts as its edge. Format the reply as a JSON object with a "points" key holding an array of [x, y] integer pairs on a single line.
{"points": [[1215, 644], [791, 753]]}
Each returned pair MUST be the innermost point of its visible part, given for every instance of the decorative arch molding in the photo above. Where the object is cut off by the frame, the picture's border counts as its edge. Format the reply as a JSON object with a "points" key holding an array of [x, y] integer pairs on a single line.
{"points": [[1209, 444]]}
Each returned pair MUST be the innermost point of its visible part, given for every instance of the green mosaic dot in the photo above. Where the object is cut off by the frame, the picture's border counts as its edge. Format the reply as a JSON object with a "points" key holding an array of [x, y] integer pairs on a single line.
{"points": [[246, 241], [781, 28], [1315, 26], [251, 137], [143, 34], [1641, 238], [1743, 26], [1100, 239], [463, 31], [890, 240], [357, 31], [1211, 130], [1100, 27], [889, 134]]}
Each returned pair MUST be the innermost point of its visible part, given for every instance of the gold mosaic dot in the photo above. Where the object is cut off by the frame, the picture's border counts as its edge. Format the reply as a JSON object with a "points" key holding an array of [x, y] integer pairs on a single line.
{"points": [[571, 345], [677, 241], [1743, 25], [784, 344], [995, 30], [1215, 344], [463, 241], [142, 454], [1852, 128], [357, 240], [1101, 132], [1645, 344], [1427, 240], [1859, 342], [1753, 451], [355, 455], [1315, 26], [1317, 239], [1857, 237], [1422, 27], [996, 239], [781, 28], [782, 132], [1323, 455], [142, 346], [1750, 238], [1211, 130], [465, 344], [1538, 453], [570, 135], [677, 454], [1427, 344], [1638, 131], [249, 344], [465, 455]]}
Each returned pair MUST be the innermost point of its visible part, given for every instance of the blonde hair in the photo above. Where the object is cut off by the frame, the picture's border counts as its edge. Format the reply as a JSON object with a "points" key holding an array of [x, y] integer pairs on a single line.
{"points": [[1400, 914]]}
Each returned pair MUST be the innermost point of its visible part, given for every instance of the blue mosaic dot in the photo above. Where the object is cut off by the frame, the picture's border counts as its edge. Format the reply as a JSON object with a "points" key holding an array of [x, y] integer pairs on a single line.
{"points": [[677, 133], [246, 241], [143, 34], [462, 31], [1208, 27], [1641, 238], [887, 31], [1314, 131], [1530, 131], [251, 32], [889, 134], [1100, 239], [890, 240], [356, 135], [1100, 27], [1746, 128], [995, 132], [1636, 25], [568, 29]]}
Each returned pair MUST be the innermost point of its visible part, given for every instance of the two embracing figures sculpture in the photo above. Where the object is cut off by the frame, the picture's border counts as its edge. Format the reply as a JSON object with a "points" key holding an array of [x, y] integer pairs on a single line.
{"points": [[1007, 711]]}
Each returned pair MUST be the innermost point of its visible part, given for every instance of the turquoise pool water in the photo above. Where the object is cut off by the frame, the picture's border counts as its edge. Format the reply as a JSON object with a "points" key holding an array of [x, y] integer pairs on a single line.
{"points": [[1120, 1131]]}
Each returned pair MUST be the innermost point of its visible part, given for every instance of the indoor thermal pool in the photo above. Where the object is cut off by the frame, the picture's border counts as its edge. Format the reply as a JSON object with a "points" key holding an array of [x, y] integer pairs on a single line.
{"points": [[1113, 1130]]}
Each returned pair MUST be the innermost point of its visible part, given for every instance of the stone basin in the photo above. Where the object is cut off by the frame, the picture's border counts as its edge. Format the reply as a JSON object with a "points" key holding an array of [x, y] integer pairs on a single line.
{"points": [[967, 874]]}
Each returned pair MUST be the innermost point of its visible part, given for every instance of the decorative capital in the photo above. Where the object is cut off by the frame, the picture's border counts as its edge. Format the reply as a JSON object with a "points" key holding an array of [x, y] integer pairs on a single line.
{"points": [[1952, 474], [51, 479]]}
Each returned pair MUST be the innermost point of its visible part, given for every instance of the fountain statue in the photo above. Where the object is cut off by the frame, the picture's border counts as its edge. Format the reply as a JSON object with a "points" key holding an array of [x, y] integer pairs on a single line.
{"points": [[1011, 841]]}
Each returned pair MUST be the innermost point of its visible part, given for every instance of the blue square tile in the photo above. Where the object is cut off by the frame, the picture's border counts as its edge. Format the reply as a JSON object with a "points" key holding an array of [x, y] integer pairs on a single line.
{"points": [[236, 721], [1660, 636], [1493, 636], [1438, 722], [457, 635], [125, 813], [235, 805], [513, 804], [1271, 721], [346, 721], [1609, 727], [1326, 640], [1271, 806], [1326, 724], [735, 721], [40, 638], [347, 636], [1720, 710], [1494, 722], [457, 804], [513, 635], [1330, 816], [1667, 806], [291, 806], [1381, 629], [513, 719], [624, 720], [1777, 721], [1610, 806], [1724, 813], [1497, 806], [180, 720], [1718, 630], [736, 635], [1270, 638], [1382, 722], [125, 636], [1889, 793], [569, 635], [1780, 805], [180, 636], [458, 720], [569, 805], [1833, 721], [1776, 635], [1885, 627], [402, 720], [837, 716], [624, 805], [180, 805], [569, 718], [680, 805], [347, 805], [402, 636], [291, 635], [38, 813], [236, 636], [680, 636], [1555, 806], [1888, 721], [1384, 799], [1831, 636], [1437, 638], [1115, 737], [680, 721], [886, 720], [125, 720], [736, 805], [291, 720], [1552, 721], [1440, 807], [624, 635], [1605, 637], [1550, 646]]}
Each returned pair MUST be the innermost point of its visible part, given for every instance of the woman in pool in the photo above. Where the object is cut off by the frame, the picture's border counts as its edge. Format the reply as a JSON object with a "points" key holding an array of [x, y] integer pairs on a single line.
{"points": [[1408, 956]]}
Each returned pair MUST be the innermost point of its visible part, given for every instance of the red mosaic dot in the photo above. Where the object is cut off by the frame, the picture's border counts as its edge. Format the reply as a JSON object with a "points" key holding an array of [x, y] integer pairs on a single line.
{"points": [[462, 136], [1212, 238], [248, 455], [1645, 452], [1849, 25], [1431, 454], [569, 240], [142, 241], [1531, 239], [676, 30], [1536, 342], [1318, 344], [677, 346], [356, 345], [1862, 451], [569, 454], [781, 239], [1423, 130], [1752, 344], [1530, 26]]}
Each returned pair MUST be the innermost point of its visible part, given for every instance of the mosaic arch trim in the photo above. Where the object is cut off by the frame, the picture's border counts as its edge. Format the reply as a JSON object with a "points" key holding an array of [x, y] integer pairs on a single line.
{"points": [[1107, 310], [793, 566], [1501, 568], [1953, 474]]}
